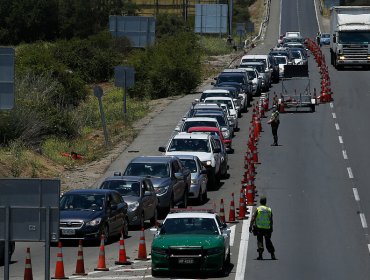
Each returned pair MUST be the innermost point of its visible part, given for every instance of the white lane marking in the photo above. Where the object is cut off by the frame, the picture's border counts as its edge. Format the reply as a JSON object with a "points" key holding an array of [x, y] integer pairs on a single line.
{"points": [[131, 269], [350, 174], [334, 115], [340, 139], [368, 246], [114, 277], [336, 126], [331, 105], [232, 235], [344, 152], [355, 193], [363, 220], [318, 24], [243, 248]]}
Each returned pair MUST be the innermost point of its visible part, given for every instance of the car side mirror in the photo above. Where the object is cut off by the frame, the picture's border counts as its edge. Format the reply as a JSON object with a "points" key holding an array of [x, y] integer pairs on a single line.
{"points": [[178, 175], [162, 149], [196, 100]]}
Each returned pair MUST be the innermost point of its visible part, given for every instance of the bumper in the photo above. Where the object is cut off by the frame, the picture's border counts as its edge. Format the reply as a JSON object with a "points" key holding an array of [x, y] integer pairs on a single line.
{"points": [[353, 62], [86, 233], [165, 263]]}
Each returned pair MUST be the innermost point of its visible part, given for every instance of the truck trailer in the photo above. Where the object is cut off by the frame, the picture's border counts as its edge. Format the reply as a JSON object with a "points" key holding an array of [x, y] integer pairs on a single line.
{"points": [[350, 36]]}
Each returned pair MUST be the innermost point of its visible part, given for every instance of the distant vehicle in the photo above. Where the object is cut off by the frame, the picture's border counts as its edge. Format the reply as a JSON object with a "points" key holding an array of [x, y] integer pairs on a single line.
{"points": [[230, 105], [90, 213], [214, 131], [2, 251], [191, 241], [199, 178], [171, 180], [139, 194], [282, 60], [197, 121], [298, 57], [260, 67], [222, 92], [325, 39], [294, 34]]}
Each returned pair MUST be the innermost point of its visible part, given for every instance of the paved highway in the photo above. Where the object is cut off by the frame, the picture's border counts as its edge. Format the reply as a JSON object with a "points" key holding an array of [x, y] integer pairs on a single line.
{"points": [[315, 181]]}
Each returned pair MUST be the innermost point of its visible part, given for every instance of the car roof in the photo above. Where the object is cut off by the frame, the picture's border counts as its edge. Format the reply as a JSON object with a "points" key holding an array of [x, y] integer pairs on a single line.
{"points": [[204, 128], [127, 178], [193, 157], [255, 56], [218, 98], [186, 135], [89, 191], [206, 105], [216, 90], [191, 215], [200, 119], [152, 159], [252, 63]]}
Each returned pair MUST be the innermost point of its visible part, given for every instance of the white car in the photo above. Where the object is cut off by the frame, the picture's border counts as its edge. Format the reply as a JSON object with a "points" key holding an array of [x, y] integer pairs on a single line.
{"points": [[230, 105], [256, 80], [201, 145], [222, 93], [281, 60], [265, 59], [294, 34]]}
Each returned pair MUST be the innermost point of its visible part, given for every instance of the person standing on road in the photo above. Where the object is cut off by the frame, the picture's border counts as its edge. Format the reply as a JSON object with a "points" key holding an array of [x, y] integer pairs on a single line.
{"points": [[274, 122], [263, 223], [318, 36]]}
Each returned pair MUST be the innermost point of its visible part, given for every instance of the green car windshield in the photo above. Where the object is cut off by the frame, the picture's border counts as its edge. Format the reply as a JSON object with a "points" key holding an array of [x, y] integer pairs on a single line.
{"points": [[189, 226]]}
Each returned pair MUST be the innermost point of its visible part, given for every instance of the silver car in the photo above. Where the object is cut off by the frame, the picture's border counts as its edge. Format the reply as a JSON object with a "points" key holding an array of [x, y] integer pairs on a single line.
{"points": [[139, 194], [199, 178]]}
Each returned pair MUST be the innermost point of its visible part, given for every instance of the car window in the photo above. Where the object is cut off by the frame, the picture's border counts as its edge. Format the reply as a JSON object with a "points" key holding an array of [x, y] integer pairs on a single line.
{"points": [[124, 187], [190, 164], [116, 198], [188, 145], [159, 170], [189, 226], [80, 202]]}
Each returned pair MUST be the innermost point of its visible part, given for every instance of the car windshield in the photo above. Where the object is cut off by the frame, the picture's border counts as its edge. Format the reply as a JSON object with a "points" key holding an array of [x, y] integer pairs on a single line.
{"points": [[189, 124], [78, 202], [216, 94], [354, 37], [246, 60], [235, 85], [124, 187], [252, 74], [190, 164], [149, 169], [296, 55], [281, 59], [230, 78], [189, 145], [325, 35], [258, 67], [220, 119], [225, 101], [205, 226]]}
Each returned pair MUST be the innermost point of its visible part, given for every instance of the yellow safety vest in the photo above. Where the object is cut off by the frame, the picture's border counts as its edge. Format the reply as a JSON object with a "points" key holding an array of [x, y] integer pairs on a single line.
{"points": [[263, 219]]}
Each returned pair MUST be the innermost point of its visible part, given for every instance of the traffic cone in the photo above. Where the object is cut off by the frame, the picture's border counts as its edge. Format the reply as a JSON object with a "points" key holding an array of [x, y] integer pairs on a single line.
{"points": [[101, 261], [28, 266], [232, 210], [142, 248], [222, 211], [255, 157], [250, 195], [80, 266], [122, 259], [242, 208], [59, 267]]}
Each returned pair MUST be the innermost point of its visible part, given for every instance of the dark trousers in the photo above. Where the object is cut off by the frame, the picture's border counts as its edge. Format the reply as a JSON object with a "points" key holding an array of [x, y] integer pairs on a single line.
{"points": [[264, 233], [274, 129]]}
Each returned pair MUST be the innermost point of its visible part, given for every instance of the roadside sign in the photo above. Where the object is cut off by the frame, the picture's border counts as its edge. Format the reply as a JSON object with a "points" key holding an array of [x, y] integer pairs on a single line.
{"points": [[211, 18], [240, 29], [124, 76], [7, 55]]}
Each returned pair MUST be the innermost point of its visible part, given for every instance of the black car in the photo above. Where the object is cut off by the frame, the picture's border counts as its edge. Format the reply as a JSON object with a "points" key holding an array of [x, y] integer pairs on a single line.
{"points": [[89, 213]]}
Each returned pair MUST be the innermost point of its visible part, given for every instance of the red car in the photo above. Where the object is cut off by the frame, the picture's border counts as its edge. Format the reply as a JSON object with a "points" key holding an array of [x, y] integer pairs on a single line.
{"points": [[213, 130]]}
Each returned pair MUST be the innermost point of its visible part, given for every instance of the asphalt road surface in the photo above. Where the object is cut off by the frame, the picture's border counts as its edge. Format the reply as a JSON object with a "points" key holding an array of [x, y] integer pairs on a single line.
{"points": [[316, 181]]}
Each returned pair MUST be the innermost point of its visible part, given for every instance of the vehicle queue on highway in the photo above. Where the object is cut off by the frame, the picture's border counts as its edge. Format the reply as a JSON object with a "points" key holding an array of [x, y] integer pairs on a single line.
{"points": [[194, 161]]}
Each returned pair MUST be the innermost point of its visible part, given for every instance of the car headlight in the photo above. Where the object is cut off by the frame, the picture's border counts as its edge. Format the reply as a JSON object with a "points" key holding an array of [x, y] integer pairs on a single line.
{"points": [[341, 57], [207, 163], [160, 251], [94, 222], [214, 251], [161, 190], [194, 181], [226, 134], [133, 206]]}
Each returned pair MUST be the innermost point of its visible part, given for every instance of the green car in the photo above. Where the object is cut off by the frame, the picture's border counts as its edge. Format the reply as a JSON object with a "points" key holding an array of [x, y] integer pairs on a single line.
{"points": [[191, 241]]}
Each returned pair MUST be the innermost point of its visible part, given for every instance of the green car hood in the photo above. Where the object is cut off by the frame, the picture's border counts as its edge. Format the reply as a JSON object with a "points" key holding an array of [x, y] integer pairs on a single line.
{"points": [[207, 241]]}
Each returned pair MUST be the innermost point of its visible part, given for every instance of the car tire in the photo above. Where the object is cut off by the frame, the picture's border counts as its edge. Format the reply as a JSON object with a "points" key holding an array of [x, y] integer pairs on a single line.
{"points": [[155, 273], [153, 220], [205, 196], [212, 180], [105, 231]]}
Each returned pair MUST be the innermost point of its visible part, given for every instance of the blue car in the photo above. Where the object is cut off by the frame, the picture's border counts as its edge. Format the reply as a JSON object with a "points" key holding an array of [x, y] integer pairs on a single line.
{"points": [[325, 39], [89, 213]]}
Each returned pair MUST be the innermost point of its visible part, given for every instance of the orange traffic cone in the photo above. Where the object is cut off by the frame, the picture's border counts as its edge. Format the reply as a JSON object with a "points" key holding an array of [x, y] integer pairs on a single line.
{"points": [[142, 248], [80, 266], [242, 211], [232, 210], [250, 195], [122, 259], [59, 267], [28, 266], [222, 212], [101, 261]]}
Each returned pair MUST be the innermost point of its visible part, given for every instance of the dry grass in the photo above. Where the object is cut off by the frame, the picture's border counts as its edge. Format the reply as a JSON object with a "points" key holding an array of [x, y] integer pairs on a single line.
{"points": [[256, 12]]}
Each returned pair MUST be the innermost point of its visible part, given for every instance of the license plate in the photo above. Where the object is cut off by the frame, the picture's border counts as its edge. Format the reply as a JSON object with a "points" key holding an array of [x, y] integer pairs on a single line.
{"points": [[68, 231], [186, 261]]}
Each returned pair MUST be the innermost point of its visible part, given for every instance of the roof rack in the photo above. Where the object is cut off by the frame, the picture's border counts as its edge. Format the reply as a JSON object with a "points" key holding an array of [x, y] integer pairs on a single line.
{"points": [[189, 210]]}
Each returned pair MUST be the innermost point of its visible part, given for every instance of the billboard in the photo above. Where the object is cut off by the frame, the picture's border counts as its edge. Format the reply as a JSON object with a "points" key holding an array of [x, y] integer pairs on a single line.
{"points": [[211, 18]]}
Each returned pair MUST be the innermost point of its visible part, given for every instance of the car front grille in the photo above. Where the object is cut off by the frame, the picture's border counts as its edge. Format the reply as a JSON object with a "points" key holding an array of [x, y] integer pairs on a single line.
{"points": [[355, 52], [72, 224]]}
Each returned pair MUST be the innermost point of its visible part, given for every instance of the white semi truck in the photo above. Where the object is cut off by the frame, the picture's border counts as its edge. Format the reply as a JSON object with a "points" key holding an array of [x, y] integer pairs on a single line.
{"points": [[350, 36]]}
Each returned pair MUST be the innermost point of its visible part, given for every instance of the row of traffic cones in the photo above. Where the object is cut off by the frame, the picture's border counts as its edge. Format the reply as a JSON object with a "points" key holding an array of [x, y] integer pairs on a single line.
{"points": [[326, 92], [80, 267]]}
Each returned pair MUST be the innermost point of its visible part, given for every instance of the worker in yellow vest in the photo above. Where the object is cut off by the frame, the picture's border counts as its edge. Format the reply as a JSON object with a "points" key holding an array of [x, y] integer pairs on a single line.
{"points": [[262, 226]]}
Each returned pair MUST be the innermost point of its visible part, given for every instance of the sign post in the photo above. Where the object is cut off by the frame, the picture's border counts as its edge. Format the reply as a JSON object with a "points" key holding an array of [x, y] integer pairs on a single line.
{"points": [[124, 77], [98, 92]]}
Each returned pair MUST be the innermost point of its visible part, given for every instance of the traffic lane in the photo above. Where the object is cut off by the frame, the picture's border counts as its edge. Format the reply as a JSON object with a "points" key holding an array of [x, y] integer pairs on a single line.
{"points": [[289, 18], [317, 234], [351, 93]]}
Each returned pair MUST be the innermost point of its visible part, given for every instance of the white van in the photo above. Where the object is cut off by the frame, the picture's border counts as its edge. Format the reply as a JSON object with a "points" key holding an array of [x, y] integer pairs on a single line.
{"points": [[267, 61]]}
